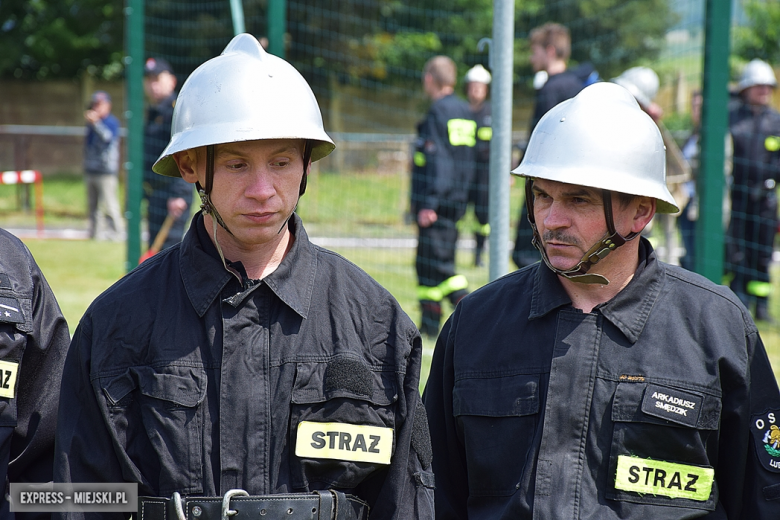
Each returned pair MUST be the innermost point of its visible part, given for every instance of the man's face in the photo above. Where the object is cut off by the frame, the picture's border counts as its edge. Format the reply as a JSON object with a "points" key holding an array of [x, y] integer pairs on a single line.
{"points": [[102, 108], [570, 220], [159, 86], [539, 58], [256, 186], [758, 95], [476, 92]]}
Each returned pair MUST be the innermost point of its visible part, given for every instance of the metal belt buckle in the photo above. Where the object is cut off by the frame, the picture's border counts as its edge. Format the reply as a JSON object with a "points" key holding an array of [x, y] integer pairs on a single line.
{"points": [[226, 511]]}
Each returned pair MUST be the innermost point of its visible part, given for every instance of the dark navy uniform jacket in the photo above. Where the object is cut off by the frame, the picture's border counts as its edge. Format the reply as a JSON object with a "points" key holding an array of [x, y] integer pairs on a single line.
{"points": [[182, 379], [756, 138], [34, 340], [444, 159], [660, 403]]}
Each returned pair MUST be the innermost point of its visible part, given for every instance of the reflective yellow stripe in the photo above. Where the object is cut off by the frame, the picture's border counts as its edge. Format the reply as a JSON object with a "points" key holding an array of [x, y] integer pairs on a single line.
{"points": [[428, 293], [727, 279], [483, 229], [462, 132], [439, 292], [485, 133], [344, 441], [419, 159], [772, 143], [756, 288], [657, 477], [454, 283]]}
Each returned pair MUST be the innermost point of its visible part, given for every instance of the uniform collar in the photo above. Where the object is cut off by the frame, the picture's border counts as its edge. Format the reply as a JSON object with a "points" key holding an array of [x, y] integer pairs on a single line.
{"points": [[205, 278], [628, 310]]}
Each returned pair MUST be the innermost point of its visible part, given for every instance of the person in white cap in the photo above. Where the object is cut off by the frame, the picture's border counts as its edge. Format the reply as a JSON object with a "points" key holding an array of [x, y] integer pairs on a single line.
{"points": [[477, 83], [755, 131], [643, 83], [601, 382], [245, 371]]}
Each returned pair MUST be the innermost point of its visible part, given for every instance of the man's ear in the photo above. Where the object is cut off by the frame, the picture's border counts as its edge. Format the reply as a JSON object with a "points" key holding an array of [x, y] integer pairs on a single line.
{"points": [[645, 210], [187, 162]]}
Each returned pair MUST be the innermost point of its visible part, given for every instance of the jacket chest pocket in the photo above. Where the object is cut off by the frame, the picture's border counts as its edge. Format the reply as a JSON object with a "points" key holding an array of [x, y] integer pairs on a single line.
{"points": [[157, 417], [497, 419], [342, 423], [662, 440]]}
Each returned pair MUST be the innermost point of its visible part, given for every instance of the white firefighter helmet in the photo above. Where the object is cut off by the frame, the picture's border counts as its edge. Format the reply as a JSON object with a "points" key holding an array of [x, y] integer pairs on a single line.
{"points": [[602, 139], [642, 82], [477, 74], [244, 94], [757, 72]]}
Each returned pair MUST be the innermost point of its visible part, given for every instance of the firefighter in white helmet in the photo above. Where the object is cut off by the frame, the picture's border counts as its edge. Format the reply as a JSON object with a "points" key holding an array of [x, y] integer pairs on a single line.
{"points": [[477, 84], [602, 382], [246, 360], [755, 131]]}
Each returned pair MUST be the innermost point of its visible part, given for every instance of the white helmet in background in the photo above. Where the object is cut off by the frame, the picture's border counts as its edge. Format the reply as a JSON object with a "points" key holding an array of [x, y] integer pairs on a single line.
{"points": [[477, 74], [642, 82], [244, 94], [600, 138], [757, 72]]}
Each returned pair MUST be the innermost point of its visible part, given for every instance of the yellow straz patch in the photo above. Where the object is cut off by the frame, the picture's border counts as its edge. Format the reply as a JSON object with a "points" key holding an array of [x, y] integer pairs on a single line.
{"points": [[342, 441], [656, 477], [8, 371]]}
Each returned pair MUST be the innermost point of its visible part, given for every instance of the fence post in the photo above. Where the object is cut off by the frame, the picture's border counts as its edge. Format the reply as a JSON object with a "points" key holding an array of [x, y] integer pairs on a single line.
{"points": [[134, 114], [502, 60], [277, 26], [710, 184]]}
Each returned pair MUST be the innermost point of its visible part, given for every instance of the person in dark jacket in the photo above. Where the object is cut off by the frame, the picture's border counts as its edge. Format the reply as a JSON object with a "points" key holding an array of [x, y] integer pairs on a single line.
{"points": [[441, 178], [34, 340], [477, 82], [755, 132], [246, 360], [167, 197], [550, 51], [602, 383]]}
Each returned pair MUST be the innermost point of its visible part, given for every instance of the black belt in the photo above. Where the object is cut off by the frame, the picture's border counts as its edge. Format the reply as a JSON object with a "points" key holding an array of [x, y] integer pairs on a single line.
{"points": [[319, 505]]}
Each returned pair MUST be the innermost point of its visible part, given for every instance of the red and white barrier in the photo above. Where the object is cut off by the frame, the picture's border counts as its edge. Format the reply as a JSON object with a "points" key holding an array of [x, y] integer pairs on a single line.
{"points": [[28, 177]]}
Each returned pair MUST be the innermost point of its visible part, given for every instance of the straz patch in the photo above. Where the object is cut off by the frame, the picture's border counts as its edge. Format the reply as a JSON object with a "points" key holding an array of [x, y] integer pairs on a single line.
{"points": [[672, 404], [657, 477], [8, 372], [766, 434], [342, 441], [10, 310]]}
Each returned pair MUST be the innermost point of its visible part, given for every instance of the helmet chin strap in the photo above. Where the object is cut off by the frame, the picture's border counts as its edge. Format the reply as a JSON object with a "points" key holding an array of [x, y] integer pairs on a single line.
{"points": [[608, 243], [207, 207]]}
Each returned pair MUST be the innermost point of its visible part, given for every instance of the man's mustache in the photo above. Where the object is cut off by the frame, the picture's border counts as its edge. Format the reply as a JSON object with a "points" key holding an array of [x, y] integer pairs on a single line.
{"points": [[560, 237]]}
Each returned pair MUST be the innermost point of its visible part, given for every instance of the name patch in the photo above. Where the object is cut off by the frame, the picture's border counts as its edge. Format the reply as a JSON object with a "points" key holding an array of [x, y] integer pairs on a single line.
{"points": [[657, 477], [672, 404], [343, 441], [8, 371]]}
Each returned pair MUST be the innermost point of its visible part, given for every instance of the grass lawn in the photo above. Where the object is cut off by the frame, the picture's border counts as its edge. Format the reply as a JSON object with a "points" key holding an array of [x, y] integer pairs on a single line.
{"points": [[334, 206]]}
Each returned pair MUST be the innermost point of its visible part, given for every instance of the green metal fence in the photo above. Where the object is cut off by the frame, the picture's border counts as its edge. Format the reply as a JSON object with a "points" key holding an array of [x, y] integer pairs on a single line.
{"points": [[364, 59]]}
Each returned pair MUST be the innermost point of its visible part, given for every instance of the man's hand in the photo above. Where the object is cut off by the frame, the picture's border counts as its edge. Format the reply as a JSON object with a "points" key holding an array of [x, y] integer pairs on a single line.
{"points": [[176, 206], [426, 217], [91, 116]]}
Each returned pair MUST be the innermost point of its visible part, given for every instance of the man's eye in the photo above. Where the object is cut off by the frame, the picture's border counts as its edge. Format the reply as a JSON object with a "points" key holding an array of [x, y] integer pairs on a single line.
{"points": [[234, 166]]}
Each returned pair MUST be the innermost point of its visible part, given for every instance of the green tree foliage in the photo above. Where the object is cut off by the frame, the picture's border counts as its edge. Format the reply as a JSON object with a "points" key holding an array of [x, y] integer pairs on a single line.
{"points": [[761, 37], [44, 39]]}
